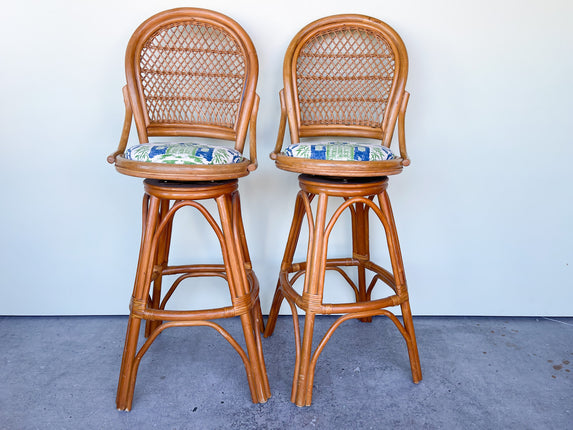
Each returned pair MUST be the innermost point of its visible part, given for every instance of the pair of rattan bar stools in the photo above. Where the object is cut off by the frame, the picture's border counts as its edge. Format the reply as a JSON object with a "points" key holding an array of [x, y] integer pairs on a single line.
{"points": [[193, 72]]}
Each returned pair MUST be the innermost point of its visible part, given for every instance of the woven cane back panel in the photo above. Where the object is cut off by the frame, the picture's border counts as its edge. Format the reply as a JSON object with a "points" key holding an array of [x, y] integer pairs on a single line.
{"points": [[192, 74], [344, 77]]}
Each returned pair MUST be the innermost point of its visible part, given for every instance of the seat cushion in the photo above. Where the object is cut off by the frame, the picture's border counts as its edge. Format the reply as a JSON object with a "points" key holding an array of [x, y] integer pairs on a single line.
{"points": [[340, 151], [183, 153]]}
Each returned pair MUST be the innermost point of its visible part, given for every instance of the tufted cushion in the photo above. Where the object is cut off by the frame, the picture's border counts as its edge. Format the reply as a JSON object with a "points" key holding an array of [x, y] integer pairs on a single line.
{"points": [[183, 153], [340, 151]]}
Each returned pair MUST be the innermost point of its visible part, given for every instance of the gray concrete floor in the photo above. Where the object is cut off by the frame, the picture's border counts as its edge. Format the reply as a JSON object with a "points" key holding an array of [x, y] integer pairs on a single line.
{"points": [[479, 373]]}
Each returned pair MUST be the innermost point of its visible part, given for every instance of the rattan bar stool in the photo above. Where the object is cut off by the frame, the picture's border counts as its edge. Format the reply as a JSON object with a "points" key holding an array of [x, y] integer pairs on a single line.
{"points": [[191, 72], [344, 76]]}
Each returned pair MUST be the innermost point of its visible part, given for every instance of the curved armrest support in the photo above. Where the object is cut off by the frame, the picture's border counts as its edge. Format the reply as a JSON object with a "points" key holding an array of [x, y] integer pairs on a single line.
{"points": [[282, 127], [253, 135], [401, 129], [126, 128]]}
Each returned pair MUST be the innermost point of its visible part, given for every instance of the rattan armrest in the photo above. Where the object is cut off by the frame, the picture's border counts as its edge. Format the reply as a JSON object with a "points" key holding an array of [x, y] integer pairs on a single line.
{"points": [[401, 129], [282, 127], [253, 135], [126, 128]]}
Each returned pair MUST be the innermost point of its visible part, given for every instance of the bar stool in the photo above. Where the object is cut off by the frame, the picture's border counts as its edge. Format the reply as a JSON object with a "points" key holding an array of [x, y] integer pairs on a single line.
{"points": [[191, 72], [344, 76]]}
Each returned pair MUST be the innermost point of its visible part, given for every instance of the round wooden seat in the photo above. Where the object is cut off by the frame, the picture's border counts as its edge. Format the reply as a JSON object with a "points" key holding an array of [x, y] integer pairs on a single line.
{"points": [[336, 168], [183, 172]]}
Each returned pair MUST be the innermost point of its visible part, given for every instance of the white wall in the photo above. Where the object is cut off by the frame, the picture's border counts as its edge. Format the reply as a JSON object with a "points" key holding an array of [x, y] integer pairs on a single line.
{"points": [[484, 212]]}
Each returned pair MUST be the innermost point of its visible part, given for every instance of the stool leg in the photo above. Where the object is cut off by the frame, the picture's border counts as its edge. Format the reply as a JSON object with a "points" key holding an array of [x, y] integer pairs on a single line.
{"points": [[238, 223], [312, 297], [361, 249], [274, 312], [401, 287], [411, 343], [238, 286], [292, 241], [302, 385], [256, 312], [160, 261], [141, 287], [258, 316]]}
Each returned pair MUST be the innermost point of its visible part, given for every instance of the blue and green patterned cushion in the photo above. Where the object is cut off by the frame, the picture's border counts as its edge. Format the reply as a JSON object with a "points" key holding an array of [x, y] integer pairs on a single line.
{"points": [[183, 153], [340, 151]]}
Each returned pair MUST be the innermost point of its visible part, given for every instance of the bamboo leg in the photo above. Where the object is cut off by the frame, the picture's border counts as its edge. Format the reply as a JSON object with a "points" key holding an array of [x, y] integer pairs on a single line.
{"points": [[238, 285], [360, 248], [242, 238], [124, 400], [160, 261], [257, 317], [292, 241], [411, 342], [302, 392], [401, 287], [256, 313], [274, 312], [240, 229], [312, 296], [128, 374]]}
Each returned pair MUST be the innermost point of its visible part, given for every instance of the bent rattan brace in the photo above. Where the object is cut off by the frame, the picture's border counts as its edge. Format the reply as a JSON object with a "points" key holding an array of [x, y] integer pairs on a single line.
{"points": [[243, 284], [359, 201]]}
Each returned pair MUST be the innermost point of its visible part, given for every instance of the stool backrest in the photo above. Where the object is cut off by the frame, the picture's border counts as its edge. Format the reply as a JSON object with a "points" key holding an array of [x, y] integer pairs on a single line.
{"points": [[191, 72], [345, 75]]}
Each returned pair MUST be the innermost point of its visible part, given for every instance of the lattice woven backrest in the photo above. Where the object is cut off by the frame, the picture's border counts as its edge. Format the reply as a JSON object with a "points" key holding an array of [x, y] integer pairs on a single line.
{"points": [[192, 73], [344, 76]]}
